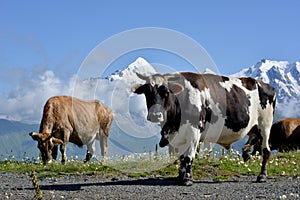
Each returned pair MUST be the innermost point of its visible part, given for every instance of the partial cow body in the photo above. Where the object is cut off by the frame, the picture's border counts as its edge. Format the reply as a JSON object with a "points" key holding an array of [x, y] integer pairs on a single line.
{"points": [[284, 136], [194, 107], [68, 119]]}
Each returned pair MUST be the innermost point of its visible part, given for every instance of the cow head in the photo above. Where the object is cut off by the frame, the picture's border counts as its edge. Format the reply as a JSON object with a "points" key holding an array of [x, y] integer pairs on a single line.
{"points": [[159, 93], [45, 144]]}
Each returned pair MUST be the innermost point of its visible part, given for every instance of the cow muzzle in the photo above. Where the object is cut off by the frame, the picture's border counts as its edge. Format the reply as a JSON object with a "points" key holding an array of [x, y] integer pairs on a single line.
{"points": [[164, 141], [155, 114]]}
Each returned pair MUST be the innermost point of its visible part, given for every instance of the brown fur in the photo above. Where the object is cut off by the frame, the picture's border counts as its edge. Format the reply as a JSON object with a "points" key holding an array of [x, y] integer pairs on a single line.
{"points": [[73, 120], [284, 133]]}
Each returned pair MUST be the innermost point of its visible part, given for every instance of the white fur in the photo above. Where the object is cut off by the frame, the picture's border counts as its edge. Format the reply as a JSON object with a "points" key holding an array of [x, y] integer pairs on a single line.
{"points": [[186, 140], [197, 97], [232, 81]]}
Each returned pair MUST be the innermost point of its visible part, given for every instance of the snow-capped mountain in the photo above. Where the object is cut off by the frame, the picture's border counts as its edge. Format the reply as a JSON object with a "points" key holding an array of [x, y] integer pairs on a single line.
{"points": [[128, 74], [130, 129], [284, 77]]}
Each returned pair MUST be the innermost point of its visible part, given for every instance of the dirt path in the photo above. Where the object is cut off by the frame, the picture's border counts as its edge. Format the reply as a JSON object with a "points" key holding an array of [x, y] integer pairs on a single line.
{"points": [[19, 186]]}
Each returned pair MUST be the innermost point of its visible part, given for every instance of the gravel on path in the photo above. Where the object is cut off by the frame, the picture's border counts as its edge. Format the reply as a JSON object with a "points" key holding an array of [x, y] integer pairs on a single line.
{"points": [[19, 186]]}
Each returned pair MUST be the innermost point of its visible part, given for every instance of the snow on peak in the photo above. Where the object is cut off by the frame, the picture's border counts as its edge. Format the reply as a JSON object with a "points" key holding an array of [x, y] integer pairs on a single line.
{"points": [[209, 71], [282, 75], [140, 65]]}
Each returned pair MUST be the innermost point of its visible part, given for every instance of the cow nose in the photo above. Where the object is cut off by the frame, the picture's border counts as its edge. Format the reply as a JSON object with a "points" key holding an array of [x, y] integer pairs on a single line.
{"points": [[154, 116], [155, 113]]}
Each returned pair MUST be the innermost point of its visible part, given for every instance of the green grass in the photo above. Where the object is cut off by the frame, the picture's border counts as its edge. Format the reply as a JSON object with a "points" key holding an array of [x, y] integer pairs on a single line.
{"points": [[56, 168], [219, 169]]}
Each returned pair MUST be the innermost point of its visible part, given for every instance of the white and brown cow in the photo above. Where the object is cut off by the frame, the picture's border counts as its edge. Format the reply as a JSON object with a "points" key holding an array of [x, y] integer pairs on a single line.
{"points": [[194, 107], [68, 119], [284, 136]]}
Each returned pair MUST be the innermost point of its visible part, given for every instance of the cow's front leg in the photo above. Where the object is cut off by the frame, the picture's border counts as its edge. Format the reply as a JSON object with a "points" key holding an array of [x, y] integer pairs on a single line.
{"points": [[54, 152], [63, 147], [89, 152], [186, 141], [63, 152], [185, 171]]}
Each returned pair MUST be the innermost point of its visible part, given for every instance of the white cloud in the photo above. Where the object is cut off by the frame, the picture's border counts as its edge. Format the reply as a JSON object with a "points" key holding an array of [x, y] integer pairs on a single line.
{"points": [[25, 101], [289, 108]]}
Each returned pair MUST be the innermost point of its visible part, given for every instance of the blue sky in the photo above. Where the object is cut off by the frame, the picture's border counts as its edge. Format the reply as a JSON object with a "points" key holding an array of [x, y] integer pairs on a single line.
{"points": [[37, 36]]}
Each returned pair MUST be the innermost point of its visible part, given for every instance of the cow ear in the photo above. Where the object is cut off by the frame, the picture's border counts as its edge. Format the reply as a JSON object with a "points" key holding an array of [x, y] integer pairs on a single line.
{"points": [[176, 88], [135, 89], [56, 141], [35, 136]]}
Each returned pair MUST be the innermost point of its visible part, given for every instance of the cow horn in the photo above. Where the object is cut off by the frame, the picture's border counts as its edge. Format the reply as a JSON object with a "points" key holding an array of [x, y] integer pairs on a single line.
{"points": [[146, 78], [56, 141]]}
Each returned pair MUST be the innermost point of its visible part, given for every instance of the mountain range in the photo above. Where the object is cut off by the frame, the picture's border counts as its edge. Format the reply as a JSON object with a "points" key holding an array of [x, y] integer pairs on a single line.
{"points": [[131, 132], [284, 77]]}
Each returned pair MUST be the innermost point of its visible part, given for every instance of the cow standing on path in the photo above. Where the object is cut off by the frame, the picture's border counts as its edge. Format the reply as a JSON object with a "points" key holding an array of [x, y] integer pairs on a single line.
{"points": [[194, 107], [68, 119]]}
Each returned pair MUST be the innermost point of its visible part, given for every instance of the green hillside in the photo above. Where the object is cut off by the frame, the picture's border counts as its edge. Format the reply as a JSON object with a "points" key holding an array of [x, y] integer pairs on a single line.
{"points": [[15, 141]]}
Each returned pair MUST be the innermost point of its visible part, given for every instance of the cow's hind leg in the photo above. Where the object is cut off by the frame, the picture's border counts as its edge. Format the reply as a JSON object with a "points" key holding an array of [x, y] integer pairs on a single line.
{"points": [[103, 145], [265, 133], [253, 140]]}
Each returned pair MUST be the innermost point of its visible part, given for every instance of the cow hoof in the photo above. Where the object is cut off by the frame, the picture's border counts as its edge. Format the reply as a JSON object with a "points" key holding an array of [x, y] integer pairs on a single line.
{"points": [[187, 182], [261, 178], [246, 157]]}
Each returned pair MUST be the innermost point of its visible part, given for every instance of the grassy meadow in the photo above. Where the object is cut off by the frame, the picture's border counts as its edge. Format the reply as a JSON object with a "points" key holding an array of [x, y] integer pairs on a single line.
{"points": [[219, 166]]}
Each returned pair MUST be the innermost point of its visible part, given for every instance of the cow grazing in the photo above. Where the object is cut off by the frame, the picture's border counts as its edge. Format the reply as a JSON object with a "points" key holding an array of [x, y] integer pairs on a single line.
{"points": [[194, 107], [284, 136], [68, 119]]}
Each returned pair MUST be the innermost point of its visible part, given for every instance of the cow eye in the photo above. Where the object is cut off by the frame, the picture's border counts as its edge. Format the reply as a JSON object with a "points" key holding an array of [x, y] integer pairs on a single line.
{"points": [[163, 91], [144, 89]]}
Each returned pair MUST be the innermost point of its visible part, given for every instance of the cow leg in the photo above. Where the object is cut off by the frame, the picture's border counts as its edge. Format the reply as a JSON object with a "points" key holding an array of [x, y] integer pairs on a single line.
{"points": [[186, 141], [263, 173], [248, 147], [254, 139], [54, 152], [185, 172], [172, 150], [90, 151], [257, 148], [63, 147], [265, 133], [103, 145]]}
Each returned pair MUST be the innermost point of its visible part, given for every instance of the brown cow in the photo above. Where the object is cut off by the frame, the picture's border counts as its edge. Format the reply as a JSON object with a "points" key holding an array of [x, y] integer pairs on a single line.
{"points": [[68, 119], [284, 136]]}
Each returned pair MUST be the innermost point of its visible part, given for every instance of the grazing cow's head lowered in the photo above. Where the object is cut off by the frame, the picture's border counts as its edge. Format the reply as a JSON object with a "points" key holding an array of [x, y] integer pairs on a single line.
{"points": [[45, 144], [160, 95]]}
